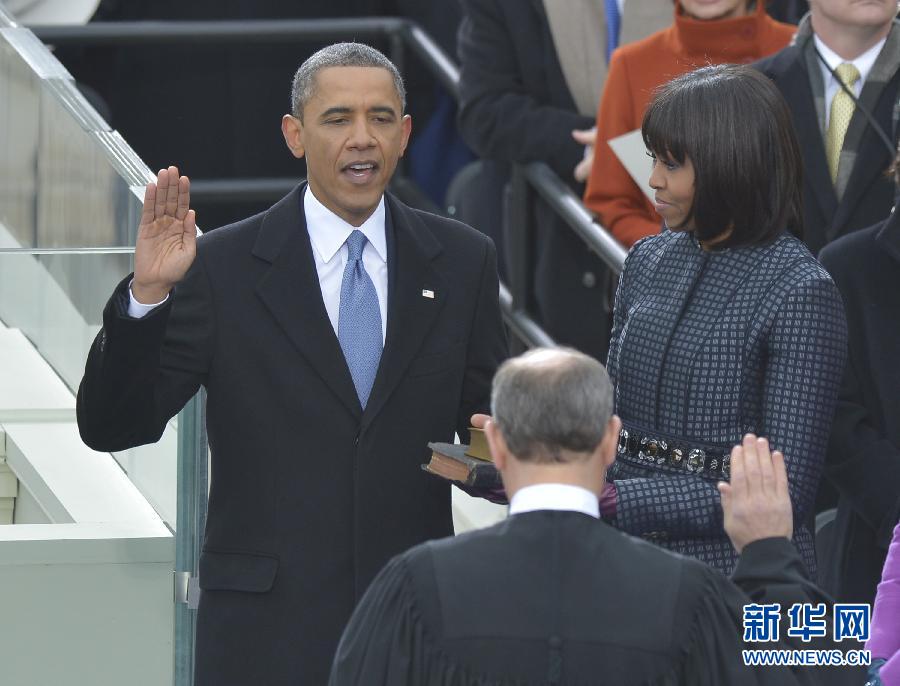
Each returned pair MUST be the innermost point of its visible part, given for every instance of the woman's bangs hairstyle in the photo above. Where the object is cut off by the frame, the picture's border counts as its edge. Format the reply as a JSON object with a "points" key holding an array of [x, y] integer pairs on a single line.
{"points": [[735, 127]]}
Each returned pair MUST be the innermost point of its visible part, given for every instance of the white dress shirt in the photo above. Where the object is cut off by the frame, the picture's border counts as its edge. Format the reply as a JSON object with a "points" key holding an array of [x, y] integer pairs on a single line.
{"points": [[328, 235], [863, 63], [554, 497]]}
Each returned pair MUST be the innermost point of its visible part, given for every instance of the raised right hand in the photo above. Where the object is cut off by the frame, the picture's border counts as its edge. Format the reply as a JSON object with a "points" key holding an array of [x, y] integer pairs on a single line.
{"points": [[756, 503], [167, 237]]}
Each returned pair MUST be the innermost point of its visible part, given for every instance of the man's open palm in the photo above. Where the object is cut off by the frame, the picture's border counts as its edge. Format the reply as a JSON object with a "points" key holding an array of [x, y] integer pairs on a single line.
{"points": [[167, 237], [757, 503]]}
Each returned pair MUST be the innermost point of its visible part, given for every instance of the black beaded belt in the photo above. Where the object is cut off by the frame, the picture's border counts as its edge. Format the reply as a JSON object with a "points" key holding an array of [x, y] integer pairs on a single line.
{"points": [[650, 450]]}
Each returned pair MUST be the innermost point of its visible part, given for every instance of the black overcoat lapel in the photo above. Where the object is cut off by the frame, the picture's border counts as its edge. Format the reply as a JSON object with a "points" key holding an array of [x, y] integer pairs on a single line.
{"points": [[290, 290], [416, 294]]}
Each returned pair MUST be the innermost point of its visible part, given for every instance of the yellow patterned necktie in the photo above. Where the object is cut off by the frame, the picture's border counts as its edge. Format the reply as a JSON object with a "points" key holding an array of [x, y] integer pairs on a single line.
{"points": [[842, 107]]}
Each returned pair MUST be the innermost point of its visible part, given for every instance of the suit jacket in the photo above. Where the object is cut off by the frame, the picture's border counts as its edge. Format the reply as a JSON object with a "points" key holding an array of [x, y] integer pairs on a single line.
{"points": [[869, 193], [863, 460], [310, 495], [560, 598]]}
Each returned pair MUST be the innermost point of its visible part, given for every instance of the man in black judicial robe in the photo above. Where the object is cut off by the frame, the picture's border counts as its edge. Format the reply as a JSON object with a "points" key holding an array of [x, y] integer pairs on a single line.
{"points": [[552, 595]]}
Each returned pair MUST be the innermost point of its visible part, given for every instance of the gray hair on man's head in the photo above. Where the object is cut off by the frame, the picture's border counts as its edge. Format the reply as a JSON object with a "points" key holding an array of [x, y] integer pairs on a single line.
{"points": [[550, 401], [339, 55]]}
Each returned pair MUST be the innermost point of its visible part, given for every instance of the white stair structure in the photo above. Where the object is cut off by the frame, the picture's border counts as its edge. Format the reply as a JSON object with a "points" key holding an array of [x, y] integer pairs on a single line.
{"points": [[87, 550], [85, 561], [9, 486]]}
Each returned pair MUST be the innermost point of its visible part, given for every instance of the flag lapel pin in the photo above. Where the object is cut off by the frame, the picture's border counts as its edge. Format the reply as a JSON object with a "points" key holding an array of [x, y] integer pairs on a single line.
{"points": [[427, 293]]}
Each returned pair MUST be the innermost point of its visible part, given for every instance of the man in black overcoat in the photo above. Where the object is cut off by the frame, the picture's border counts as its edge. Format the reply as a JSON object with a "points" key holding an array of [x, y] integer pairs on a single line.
{"points": [[516, 106], [863, 461], [336, 334]]}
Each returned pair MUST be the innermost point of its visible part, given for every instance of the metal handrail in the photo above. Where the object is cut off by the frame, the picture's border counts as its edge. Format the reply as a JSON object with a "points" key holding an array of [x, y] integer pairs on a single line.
{"points": [[569, 206], [245, 31], [434, 56], [523, 326], [539, 176]]}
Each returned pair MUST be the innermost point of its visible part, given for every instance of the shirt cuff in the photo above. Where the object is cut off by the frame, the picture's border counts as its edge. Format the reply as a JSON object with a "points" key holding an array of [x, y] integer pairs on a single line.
{"points": [[138, 310]]}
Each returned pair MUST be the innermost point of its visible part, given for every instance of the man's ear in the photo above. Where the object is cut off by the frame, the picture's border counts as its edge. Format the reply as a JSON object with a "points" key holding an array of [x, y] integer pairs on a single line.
{"points": [[610, 441], [495, 443], [406, 124], [292, 129]]}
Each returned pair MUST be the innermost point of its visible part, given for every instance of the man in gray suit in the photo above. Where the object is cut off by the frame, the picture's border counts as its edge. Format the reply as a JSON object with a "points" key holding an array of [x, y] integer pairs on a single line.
{"points": [[846, 151]]}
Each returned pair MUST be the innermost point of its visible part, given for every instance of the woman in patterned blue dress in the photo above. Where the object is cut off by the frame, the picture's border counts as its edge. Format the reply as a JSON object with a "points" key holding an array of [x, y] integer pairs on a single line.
{"points": [[724, 323]]}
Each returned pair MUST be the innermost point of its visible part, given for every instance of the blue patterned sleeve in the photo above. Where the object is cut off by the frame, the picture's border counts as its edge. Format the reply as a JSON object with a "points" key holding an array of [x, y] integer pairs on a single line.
{"points": [[668, 507], [620, 309], [612, 359], [805, 349]]}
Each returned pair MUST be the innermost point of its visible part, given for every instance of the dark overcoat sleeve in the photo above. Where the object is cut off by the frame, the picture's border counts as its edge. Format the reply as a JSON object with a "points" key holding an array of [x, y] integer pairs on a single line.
{"points": [[862, 462], [768, 571], [499, 117], [487, 345], [141, 372]]}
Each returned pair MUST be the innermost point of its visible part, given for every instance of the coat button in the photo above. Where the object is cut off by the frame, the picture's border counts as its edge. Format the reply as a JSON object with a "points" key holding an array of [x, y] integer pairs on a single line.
{"points": [[588, 280]]}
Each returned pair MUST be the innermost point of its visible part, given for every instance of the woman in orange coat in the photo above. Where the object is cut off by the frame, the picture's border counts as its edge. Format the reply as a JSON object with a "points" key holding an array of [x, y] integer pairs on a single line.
{"points": [[704, 32]]}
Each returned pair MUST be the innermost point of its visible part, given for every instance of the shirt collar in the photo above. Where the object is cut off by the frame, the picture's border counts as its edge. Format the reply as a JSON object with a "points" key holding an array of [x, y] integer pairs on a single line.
{"points": [[863, 63], [555, 497], [328, 232]]}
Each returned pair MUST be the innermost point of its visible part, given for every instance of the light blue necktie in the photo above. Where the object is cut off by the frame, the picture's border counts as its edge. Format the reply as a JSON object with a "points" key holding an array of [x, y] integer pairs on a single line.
{"points": [[359, 320], [613, 26]]}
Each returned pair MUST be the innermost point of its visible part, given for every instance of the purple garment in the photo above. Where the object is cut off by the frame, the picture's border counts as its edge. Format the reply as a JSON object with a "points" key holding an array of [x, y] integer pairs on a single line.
{"points": [[884, 641], [608, 501]]}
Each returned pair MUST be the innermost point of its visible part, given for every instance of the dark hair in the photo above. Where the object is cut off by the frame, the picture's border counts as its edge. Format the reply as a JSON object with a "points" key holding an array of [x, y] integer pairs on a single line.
{"points": [[735, 127], [339, 55]]}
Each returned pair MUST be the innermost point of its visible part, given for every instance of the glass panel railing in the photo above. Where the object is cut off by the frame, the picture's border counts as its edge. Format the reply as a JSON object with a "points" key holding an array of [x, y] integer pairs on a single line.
{"points": [[69, 208], [70, 202], [66, 179], [56, 299]]}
